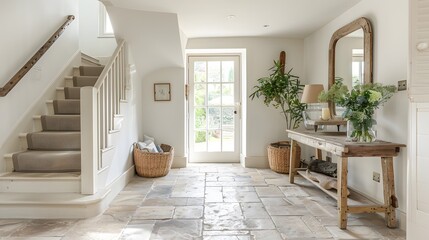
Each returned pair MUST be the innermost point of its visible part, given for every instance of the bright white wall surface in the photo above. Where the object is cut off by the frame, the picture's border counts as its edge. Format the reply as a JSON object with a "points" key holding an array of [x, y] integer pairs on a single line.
{"points": [[89, 40], [263, 125], [155, 41], [390, 25], [165, 120], [26, 26]]}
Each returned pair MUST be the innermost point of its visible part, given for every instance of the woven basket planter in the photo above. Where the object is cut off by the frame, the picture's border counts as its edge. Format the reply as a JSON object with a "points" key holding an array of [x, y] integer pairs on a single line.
{"points": [[153, 164], [279, 155]]}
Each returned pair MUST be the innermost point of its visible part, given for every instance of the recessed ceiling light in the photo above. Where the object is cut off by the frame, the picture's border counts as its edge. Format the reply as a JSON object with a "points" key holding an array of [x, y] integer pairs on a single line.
{"points": [[266, 26], [230, 17]]}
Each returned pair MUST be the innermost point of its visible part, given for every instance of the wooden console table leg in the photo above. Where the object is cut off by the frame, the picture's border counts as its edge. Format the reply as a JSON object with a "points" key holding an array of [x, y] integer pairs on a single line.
{"points": [[292, 162], [342, 192], [390, 200]]}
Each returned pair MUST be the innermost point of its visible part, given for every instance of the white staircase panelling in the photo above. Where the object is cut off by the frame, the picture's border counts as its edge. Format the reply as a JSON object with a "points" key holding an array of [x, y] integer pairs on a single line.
{"points": [[37, 123], [18, 182], [59, 93]]}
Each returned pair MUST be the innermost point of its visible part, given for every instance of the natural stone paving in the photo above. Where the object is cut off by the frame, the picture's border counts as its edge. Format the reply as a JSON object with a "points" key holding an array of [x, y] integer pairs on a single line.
{"points": [[211, 202]]}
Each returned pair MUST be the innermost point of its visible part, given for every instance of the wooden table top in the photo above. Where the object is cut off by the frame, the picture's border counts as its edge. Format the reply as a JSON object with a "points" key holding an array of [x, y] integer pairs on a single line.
{"points": [[337, 143]]}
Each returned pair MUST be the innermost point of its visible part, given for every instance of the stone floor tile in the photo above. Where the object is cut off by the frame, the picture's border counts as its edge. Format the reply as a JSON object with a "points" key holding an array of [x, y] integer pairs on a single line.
{"points": [[354, 232], [270, 191], [287, 210], [240, 197], [127, 199], [223, 211], [254, 210], [160, 192], [213, 197], [292, 227], [44, 228], [102, 227], [316, 227], [266, 234], [238, 224], [195, 202], [164, 202], [275, 202], [278, 181], [177, 230], [293, 192], [188, 212], [231, 237], [154, 212], [122, 213], [238, 189], [138, 230], [227, 233], [9, 226]]}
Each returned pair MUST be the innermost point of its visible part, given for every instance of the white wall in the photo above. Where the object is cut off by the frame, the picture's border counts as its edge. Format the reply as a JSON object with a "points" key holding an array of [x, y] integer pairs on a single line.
{"points": [[165, 120], [26, 25], [263, 125], [89, 41], [390, 26]]}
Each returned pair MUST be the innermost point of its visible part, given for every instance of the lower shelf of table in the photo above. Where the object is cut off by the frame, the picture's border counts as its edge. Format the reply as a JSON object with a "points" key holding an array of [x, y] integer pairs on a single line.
{"points": [[354, 199]]}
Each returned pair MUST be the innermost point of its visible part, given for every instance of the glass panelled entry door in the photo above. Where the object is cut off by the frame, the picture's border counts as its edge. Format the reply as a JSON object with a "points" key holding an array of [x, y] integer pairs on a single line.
{"points": [[214, 109]]}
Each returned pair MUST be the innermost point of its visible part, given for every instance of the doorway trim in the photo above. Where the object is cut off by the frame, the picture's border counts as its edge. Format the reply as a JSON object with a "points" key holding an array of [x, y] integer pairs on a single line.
{"points": [[241, 53]]}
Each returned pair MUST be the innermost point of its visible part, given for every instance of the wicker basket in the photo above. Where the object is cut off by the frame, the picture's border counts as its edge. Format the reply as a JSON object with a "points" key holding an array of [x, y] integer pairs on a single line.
{"points": [[279, 155], [153, 164]]}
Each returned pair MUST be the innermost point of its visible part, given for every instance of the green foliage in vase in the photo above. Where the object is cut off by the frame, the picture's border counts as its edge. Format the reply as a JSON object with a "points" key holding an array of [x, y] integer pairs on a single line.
{"points": [[282, 90], [360, 104]]}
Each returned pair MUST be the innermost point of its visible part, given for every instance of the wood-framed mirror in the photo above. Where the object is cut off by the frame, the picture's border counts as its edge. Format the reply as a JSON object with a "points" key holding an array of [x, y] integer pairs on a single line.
{"points": [[351, 58]]}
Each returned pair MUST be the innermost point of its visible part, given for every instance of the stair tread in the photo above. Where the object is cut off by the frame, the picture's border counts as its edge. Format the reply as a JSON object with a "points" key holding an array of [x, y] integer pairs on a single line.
{"points": [[90, 70], [47, 161]]}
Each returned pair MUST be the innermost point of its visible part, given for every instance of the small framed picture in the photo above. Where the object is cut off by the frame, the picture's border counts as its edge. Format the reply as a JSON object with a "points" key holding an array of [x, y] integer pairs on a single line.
{"points": [[162, 92]]}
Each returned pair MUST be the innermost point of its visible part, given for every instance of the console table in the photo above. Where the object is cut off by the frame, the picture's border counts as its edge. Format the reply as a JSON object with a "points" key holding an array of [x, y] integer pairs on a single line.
{"points": [[335, 142]]}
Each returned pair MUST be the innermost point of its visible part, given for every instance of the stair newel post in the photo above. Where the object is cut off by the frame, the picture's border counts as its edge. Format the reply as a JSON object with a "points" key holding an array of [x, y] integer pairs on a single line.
{"points": [[89, 143]]}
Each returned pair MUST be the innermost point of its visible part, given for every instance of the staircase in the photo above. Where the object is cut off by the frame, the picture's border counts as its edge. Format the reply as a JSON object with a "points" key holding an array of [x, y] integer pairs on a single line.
{"points": [[51, 160], [57, 147], [64, 168]]}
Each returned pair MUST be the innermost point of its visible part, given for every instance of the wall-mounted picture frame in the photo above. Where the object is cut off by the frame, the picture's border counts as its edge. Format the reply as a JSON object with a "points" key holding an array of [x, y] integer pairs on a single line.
{"points": [[162, 91]]}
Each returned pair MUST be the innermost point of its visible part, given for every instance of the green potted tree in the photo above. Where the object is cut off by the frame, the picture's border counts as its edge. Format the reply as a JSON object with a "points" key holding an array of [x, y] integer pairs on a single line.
{"points": [[281, 90]]}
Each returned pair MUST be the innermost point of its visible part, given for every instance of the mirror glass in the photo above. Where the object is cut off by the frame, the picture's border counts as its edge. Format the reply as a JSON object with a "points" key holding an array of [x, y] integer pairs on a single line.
{"points": [[349, 59], [350, 55]]}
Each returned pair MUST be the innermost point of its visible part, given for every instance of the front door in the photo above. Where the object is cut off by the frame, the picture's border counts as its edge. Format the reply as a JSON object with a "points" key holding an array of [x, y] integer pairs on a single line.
{"points": [[214, 84]]}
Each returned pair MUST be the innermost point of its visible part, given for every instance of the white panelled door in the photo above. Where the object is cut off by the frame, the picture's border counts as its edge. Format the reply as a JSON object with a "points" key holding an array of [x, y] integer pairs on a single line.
{"points": [[214, 122]]}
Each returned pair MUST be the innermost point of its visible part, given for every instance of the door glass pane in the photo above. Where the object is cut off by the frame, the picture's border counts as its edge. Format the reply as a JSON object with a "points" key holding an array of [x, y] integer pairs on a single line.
{"points": [[200, 118], [200, 71], [228, 139], [214, 117], [227, 116], [200, 144], [227, 71], [214, 94], [214, 143], [200, 95], [228, 94], [214, 71]]}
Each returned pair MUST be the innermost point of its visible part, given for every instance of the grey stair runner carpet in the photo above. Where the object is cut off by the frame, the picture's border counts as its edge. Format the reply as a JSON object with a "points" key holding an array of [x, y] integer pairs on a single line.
{"points": [[57, 147]]}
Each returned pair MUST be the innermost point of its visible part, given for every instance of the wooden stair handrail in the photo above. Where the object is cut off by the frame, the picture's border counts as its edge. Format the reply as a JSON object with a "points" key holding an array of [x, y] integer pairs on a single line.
{"points": [[21, 73]]}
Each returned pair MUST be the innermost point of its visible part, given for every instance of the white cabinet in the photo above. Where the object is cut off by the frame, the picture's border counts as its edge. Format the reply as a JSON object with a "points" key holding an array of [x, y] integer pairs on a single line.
{"points": [[419, 49], [418, 175], [418, 139]]}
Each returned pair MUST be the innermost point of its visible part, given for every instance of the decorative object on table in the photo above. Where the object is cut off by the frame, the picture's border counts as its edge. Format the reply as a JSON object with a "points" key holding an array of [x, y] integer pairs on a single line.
{"points": [[162, 91], [314, 107], [152, 160], [278, 152], [317, 115], [360, 104], [282, 90]]}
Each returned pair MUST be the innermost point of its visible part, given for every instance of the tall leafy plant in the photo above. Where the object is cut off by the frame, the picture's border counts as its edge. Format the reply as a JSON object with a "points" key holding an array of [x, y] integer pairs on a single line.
{"points": [[282, 90]]}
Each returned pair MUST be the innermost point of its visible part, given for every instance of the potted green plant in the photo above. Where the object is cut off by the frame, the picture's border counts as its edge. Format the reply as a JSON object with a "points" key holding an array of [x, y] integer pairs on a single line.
{"points": [[281, 90]]}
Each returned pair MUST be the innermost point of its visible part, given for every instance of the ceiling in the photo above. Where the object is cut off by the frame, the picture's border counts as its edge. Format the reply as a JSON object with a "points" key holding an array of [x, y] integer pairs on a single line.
{"points": [[238, 18]]}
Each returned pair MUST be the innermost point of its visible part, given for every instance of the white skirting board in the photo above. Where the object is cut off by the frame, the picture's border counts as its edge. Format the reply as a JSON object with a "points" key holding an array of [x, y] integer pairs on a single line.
{"points": [[61, 205]]}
